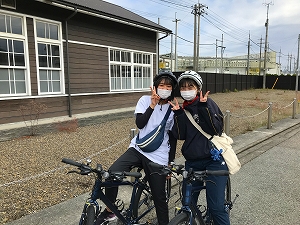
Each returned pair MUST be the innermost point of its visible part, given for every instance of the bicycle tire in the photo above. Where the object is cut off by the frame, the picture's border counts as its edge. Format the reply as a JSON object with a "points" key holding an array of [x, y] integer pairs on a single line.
{"points": [[168, 188], [90, 215], [228, 202], [144, 200], [182, 218]]}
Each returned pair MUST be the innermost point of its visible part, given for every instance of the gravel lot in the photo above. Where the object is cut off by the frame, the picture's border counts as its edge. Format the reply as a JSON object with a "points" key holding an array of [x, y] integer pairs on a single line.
{"points": [[34, 178]]}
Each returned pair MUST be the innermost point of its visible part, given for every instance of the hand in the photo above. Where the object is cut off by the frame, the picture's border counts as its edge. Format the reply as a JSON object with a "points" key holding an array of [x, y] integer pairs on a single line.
{"points": [[203, 98], [174, 106], [154, 98]]}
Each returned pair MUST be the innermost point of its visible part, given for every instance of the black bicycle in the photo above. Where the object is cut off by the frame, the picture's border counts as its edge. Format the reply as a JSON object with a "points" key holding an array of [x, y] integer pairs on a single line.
{"points": [[141, 201], [191, 212]]}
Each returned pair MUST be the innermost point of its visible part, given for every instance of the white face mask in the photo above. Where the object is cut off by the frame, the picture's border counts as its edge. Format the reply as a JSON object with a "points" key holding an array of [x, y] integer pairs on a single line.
{"points": [[164, 94], [188, 95]]}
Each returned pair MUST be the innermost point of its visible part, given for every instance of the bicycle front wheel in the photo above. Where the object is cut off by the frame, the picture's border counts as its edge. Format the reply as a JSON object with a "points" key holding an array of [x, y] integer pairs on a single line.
{"points": [[144, 199], [182, 218], [228, 202], [90, 215]]}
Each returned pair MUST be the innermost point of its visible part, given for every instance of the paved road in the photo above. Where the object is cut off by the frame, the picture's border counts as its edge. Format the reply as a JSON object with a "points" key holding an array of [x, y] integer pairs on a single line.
{"points": [[268, 182]]}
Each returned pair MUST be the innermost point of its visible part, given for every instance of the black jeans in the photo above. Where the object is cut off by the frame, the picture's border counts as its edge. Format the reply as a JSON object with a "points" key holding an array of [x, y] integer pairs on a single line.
{"points": [[157, 182]]}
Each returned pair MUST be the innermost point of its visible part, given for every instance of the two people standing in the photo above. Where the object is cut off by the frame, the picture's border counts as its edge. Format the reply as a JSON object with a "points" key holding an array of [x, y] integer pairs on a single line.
{"points": [[149, 112]]}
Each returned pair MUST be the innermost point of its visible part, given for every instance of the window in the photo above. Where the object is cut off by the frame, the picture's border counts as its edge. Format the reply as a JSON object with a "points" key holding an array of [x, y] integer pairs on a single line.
{"points": [[130, 70], [13, 71], [49, 57]]}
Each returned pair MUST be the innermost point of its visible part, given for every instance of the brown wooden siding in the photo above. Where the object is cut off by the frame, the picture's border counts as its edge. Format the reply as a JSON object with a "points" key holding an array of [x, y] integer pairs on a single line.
{"points": [[94, 103], [105, 32], [89, 71], [10, 109], [32, 56], [58, 106]]}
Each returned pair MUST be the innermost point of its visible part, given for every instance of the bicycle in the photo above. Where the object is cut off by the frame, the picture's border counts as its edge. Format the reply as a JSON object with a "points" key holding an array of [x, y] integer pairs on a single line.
{"points": [[191, 212], [141, 202]]}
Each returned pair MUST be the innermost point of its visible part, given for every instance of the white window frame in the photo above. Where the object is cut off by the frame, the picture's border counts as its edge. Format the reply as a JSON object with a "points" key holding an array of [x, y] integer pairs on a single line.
{"points": [[121, 83], [18, 37], [48, 41]]}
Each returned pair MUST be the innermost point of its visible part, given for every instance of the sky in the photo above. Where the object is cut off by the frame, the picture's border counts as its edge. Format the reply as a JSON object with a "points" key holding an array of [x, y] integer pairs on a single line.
{"points": [[235, 20]]}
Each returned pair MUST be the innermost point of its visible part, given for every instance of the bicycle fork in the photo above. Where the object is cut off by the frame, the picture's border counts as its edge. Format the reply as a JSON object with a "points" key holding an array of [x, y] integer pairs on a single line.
{"points": [[187, 206], [92, 201]]}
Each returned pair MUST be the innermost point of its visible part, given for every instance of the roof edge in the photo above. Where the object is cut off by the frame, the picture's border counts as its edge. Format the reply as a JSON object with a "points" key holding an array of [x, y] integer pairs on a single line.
{"points": [[108, 16]]}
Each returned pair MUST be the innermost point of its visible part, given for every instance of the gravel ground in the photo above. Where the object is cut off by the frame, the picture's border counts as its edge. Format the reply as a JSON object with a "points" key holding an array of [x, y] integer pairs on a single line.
{"points": [[34, 178]]}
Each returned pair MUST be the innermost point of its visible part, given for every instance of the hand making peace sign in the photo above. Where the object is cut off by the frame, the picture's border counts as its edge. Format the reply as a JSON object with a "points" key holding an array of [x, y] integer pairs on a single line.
{"points": [[154, 97], [174, 106], [203, 98]]}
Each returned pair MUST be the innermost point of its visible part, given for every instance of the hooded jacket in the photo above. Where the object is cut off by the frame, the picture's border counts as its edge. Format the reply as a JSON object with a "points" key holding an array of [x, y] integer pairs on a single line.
{"points": [[210, 118]]}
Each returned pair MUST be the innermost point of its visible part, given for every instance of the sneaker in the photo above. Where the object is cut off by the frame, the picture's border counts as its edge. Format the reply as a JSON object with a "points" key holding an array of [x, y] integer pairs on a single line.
{"points": [[105, 216]]}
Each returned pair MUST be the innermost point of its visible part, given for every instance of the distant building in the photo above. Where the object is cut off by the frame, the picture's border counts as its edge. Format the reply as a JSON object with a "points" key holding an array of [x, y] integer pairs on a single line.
{"points": [[232, 65]]}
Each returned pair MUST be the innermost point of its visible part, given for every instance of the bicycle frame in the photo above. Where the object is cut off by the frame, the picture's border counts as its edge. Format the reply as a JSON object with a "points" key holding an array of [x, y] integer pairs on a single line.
{"points": [[190, 207], [98, 193]]}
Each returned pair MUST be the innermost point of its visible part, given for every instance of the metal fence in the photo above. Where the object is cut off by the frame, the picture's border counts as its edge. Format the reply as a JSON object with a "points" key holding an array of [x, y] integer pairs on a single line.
{"points": [[218, 83], [227, 114]]}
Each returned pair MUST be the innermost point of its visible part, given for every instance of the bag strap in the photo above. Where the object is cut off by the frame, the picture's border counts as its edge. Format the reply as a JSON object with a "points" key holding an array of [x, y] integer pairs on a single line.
{"points": [[164, 119], [167, 113], [188, 114]]}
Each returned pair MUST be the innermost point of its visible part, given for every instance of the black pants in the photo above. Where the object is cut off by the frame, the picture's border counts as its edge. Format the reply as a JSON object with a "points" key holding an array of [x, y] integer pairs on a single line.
{"points": [[157, 182]]}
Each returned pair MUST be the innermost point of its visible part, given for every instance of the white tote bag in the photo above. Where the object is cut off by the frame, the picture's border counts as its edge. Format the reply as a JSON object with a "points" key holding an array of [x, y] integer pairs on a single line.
{"points": [[221, 142]]}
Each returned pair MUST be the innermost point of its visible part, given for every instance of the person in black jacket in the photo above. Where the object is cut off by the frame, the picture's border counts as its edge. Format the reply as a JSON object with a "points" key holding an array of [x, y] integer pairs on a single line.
{"points": [[196, 148]]}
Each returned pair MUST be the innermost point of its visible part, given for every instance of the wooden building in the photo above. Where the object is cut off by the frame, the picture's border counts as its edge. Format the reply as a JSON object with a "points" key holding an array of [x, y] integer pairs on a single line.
{"points": [[74, 56]]}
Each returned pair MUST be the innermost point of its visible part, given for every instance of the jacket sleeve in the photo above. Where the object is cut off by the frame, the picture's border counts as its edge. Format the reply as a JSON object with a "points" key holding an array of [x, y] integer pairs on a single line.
{"points": [[142, 119], [211, 117], [179, 127]]}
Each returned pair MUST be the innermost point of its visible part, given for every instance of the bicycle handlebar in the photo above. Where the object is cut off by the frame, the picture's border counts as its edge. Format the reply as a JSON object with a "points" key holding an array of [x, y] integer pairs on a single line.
{"points": [[179, 170], [71, 162], [213, 172], [86, 169]]}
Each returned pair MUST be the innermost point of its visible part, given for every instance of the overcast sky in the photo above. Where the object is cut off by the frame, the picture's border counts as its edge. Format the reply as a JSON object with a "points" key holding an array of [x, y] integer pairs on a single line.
{"points": [[235, 19]]}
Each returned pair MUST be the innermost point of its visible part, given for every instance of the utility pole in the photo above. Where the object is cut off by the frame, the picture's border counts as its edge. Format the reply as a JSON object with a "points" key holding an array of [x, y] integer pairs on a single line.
{"points": [[279, 57], [222, 51], [288, 63], [259, 63], [248, 56], [291, 57], [171, 55], [195, 36], [176, 27], [216, 56], [198, 40], [198, 10], [297, 70], [266, 45]]}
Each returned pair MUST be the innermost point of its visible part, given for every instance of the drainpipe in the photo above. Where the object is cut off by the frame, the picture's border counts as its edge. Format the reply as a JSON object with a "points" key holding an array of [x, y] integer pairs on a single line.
{"points": [[157, 58], [68, 64]]}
